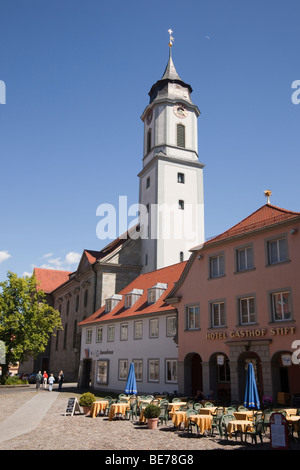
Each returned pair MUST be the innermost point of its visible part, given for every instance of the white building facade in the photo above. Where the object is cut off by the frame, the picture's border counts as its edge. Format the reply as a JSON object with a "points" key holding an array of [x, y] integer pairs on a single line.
{"points": [[134, 326]]}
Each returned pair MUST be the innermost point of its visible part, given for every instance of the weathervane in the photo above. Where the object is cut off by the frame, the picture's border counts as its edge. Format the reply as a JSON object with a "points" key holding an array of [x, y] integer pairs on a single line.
{"points": [[171, 37], [268, 194]]}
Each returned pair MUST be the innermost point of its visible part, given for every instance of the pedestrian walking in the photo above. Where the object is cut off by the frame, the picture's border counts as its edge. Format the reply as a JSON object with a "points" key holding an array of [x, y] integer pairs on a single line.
{"points": [[38, 380], [51, 381], [45, 379], [60, 380]]}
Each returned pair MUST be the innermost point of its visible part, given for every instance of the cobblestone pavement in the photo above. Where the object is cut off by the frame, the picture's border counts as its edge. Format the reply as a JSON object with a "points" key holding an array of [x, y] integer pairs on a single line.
{"points": [[78, 432]]}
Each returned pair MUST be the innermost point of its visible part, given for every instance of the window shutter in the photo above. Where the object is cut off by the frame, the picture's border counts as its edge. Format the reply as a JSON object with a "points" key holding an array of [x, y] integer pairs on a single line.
{"points": [[180, 135]]}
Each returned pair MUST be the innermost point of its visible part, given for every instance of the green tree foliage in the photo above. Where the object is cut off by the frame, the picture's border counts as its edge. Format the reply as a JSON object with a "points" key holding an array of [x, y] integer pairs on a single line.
{"points": [[26, 320]]}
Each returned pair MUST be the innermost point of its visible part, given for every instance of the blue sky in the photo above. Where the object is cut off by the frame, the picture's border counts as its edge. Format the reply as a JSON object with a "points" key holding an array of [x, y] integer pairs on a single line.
{"points": [[77, 76]]}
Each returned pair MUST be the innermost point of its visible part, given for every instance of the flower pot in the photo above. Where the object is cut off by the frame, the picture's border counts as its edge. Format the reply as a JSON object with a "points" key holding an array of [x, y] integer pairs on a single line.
{"points": [[152, 423], [86, 410]]}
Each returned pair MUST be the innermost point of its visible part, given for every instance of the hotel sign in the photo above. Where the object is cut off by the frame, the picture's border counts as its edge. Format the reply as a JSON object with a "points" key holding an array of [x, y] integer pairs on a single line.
{"points": [[252, 333]]}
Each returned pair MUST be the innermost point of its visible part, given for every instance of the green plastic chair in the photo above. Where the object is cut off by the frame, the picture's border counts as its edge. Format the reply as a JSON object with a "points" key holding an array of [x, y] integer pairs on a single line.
{"points": [[242, 408], [216, 421], [184, 408], [224, 423], [176, 400], [164, 414], [132, 411], [230, 409], [257, 431], [197, 406], [192, 424], [208, 404], [266, 419]]}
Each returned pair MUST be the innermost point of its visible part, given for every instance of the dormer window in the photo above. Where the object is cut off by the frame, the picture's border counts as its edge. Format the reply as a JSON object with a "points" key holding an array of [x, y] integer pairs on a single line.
{"points": [[111, 303], [132, 297], [155, 292]]}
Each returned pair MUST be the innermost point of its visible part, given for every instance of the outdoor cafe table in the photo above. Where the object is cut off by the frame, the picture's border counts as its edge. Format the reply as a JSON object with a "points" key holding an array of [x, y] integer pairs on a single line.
{"points": [[203, 421], [178, 417], [290, 411], [206, 411], [243, 415], [238, 425], [116, 408], [176, 405], [294, 421], [98, 406]]}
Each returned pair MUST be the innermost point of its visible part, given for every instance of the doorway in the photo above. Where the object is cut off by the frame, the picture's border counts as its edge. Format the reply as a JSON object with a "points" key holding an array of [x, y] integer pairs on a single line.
{"points": [[193, 380]]}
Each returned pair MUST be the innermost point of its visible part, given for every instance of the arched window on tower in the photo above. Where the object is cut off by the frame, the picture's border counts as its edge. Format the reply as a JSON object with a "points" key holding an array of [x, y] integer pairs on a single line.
{"points": [[180, 135]]}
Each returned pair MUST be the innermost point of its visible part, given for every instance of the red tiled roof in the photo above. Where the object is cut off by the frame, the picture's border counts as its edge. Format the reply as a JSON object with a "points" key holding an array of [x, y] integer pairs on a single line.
{"points": [[264, 217], [50, 279], [168, 275]]}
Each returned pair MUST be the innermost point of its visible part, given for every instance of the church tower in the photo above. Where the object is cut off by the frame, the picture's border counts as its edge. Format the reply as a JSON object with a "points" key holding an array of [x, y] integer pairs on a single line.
{"points": [[171, 181]]}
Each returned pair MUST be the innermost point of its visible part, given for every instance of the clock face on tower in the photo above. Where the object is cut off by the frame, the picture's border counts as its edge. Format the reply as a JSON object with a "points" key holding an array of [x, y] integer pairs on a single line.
{"points": [[149, 116], [180, 110]]}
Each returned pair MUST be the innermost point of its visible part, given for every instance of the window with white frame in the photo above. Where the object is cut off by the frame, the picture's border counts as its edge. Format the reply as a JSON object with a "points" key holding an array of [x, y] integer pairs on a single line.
{"points": [[132, 297], [171, 325], [88, 335], [151, 296], [155, 292], [102, 372], [171, 370], [112, 302], [138, 369], [245, 259], [216, 266], [99, 334], [281, 308], [217, 314], [153, 370], [277, 250], [124, 332], [247, 310], [153, 328], [193, 317], [123, 369], [138, 329], [111, 333]]}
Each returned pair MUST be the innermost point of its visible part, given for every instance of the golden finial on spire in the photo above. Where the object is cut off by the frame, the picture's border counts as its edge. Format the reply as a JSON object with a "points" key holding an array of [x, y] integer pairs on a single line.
{"points": [[268, 194], [171, 38]]}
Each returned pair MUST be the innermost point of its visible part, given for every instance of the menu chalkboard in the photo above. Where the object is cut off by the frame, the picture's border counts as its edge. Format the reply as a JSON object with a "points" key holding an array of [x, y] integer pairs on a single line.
{"points": [[72, 407]]}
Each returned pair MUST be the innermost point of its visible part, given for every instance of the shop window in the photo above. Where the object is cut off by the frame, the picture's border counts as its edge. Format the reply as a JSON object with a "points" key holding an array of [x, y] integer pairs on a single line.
{"points": [[102, 372]]}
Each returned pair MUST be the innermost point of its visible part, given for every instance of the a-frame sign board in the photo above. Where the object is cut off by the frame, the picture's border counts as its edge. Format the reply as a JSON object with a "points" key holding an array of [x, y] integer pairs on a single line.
{"points": [[72, 407], [278, 431]]}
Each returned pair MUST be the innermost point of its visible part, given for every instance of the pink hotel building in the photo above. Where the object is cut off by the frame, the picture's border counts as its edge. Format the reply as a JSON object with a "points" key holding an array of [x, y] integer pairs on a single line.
{"points": [[238, 300]]}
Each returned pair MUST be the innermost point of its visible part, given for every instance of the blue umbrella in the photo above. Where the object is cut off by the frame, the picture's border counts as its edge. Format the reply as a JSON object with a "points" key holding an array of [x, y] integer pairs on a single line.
{"points": [[131, 382], [251, 399]]}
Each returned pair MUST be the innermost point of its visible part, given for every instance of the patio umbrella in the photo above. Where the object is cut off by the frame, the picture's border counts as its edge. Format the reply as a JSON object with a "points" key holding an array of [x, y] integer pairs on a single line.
{"points": [[131, 382], [251, 399]]}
